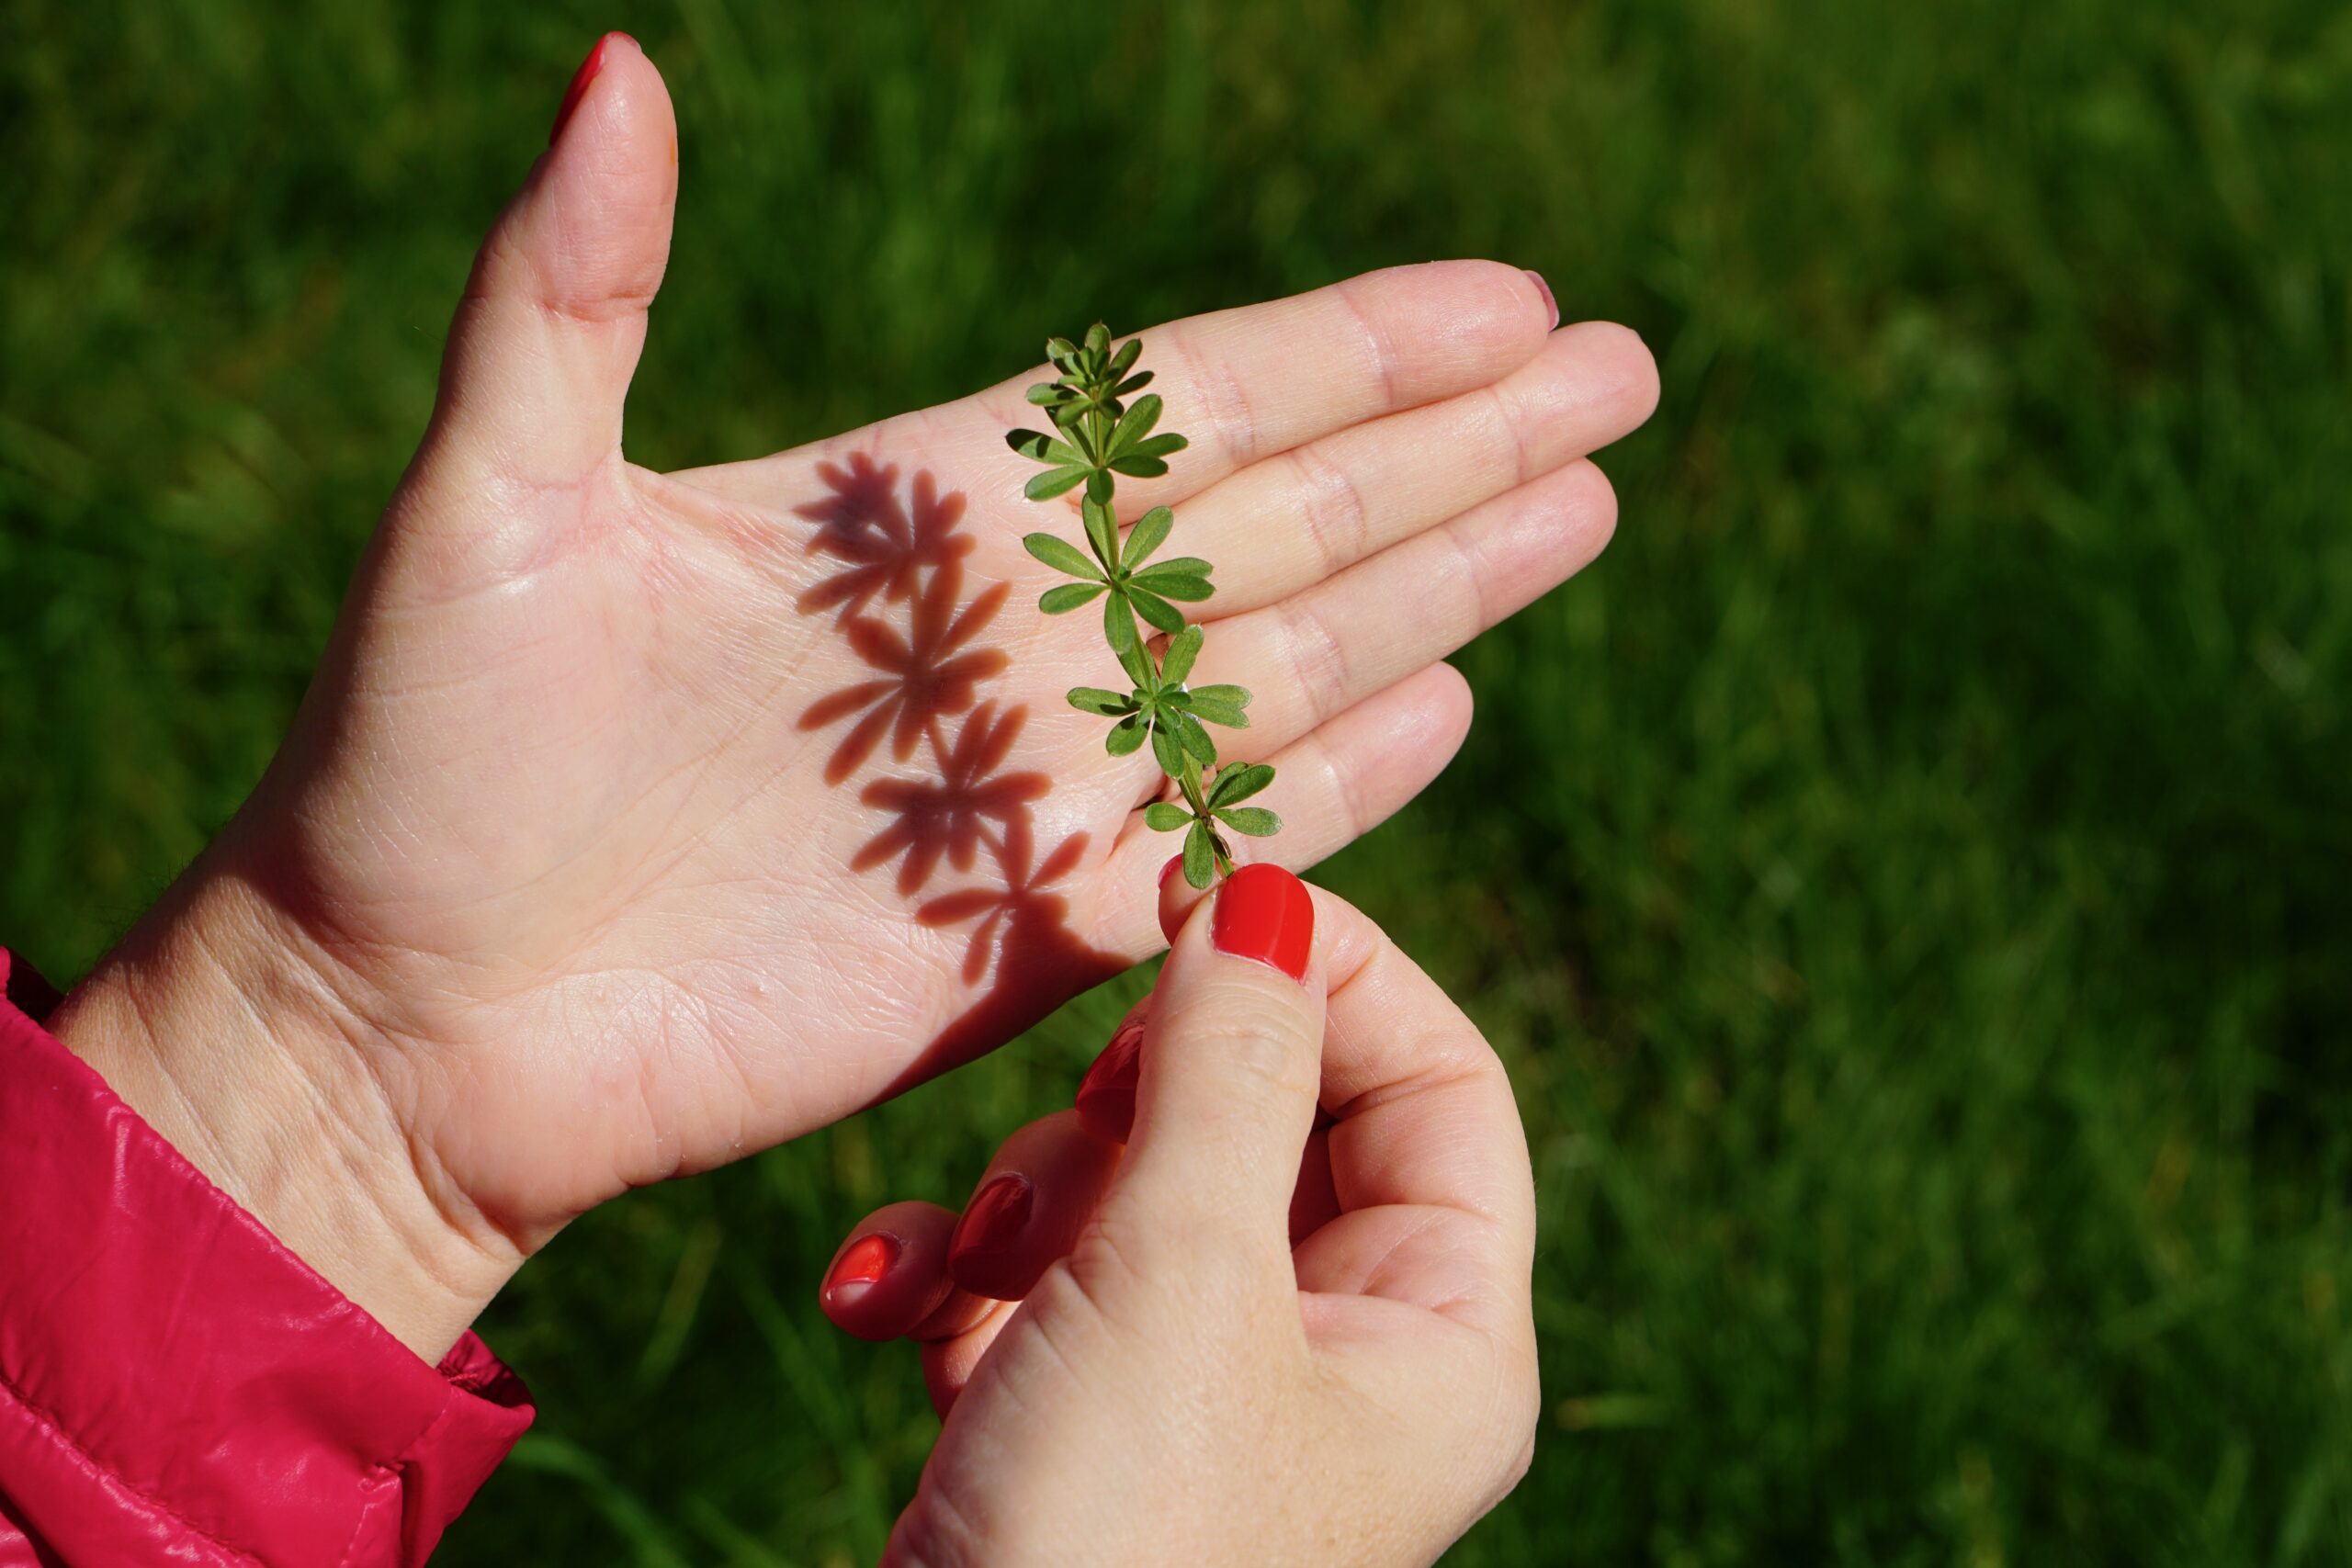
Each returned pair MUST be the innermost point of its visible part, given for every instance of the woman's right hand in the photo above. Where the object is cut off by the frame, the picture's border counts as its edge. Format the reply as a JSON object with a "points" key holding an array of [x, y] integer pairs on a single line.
{"points": [[1285, 1317]]}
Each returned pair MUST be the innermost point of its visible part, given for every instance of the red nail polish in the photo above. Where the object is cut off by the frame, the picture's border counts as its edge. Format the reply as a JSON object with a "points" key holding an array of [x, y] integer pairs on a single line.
{"points": [[993, 1221], [580, 80], [864, 1262], [1107, 1095], [1169, 870], [1266, 915], [1544, 289]]}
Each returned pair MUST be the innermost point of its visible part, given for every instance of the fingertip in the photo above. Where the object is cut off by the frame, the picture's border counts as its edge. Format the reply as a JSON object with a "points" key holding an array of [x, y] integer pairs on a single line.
{"points": [[1036, 1195], [585, 78], [1177, 900], [1618, 367], [1265, 915], [1448, 707], [599, 206], [1105, 1101], [889, 1273]]}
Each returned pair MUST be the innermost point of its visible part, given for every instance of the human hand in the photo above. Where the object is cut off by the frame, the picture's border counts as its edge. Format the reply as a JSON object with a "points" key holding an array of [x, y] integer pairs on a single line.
{"points": [[1288, 1322], [635, 821]]}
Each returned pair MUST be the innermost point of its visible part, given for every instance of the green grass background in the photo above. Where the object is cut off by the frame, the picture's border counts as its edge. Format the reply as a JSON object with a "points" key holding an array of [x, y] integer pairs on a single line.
{"points": [[1910, 876]]}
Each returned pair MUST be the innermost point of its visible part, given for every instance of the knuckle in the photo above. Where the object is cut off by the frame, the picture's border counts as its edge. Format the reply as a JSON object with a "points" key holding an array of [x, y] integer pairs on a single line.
{"points": [[1512, 427], [1331, 507], [1319, 660], [1230, 416], [1380, 355]]}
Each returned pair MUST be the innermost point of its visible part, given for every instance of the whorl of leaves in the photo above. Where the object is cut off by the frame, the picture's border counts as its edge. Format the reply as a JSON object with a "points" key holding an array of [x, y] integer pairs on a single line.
{"points": [[1097, 436]]}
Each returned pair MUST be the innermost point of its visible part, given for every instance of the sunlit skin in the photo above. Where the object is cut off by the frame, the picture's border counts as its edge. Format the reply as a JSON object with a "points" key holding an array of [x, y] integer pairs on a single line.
{"points": [[1290, 1324], [548, 894]]}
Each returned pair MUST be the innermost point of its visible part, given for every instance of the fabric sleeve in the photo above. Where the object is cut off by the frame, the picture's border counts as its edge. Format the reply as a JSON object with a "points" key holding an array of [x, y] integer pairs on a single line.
{"points": [[176, 1386]]}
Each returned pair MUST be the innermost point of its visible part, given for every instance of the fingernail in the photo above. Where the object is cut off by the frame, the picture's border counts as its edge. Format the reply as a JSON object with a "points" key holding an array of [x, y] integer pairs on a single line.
{"points": [[580, 80], [993, 1221], [863, 1263], [1107, 1095], [1265, 914], [1544, 289], [1169, 870]]}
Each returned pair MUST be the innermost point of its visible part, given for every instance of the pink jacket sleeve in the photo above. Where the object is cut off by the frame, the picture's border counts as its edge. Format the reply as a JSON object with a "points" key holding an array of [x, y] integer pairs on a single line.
{"points": [[175, 1387]]}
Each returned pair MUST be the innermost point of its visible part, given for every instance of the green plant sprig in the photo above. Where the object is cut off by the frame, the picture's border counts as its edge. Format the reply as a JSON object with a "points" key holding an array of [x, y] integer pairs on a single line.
{"points": [[1098, 436]]}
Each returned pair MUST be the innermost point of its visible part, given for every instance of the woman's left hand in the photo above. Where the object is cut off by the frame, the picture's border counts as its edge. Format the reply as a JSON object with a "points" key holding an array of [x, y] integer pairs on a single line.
{"points": [[638, 821]]}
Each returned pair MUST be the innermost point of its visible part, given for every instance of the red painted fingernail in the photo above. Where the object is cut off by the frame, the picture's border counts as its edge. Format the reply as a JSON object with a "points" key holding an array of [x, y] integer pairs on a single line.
{"points": [[580, 80], [1544, 289], [863, 1263], [993, 1221], [1169, 870], [1107, 1095], [1266, 915]]}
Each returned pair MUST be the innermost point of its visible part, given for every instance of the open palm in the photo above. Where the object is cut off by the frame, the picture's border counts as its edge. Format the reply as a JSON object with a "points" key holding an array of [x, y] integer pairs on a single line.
{"points": [[645, 821]]}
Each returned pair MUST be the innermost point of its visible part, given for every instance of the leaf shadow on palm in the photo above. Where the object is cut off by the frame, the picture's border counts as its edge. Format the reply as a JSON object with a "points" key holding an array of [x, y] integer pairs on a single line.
{"points": [[898, 601]]}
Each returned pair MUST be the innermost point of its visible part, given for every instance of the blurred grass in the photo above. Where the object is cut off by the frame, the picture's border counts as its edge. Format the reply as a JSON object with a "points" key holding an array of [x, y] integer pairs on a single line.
{"points": [[1910, 876]]}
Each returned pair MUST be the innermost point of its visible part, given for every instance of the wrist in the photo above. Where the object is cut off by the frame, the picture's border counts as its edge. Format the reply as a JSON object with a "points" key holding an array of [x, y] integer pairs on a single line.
{"points": [[243, 1044]]}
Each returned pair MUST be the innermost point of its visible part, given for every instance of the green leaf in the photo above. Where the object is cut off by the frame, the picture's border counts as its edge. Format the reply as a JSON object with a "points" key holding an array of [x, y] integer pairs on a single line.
{"points": [[1101, 531], [1220, 705], [1133, 383], [1095, 700], [1165, 817], [1151, 532], [1139, 467], [1126, 736], [1119, 625], [1062, 556], [1175, 585], [1046, 394], [1039, 447], [1238, 782], [1098, 338], [1254, 820], [1097, 487], [1139, 422], [1195, 739], [1125, 360], [1182, 649], [1165, 749], [1177, 566], [1068, 597], [1156, 611], [1052, 482], [1058, 348], [1161, 445], [1200, 862]]}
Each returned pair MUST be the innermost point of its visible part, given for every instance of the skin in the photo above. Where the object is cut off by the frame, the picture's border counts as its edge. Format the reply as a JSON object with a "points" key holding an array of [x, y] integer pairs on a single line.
{"points": [[1202, 1367], [550, 893]]}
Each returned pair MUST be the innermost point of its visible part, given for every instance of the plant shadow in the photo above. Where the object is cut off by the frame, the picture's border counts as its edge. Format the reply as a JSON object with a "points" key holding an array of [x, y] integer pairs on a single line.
{"points": [[897, 600]]}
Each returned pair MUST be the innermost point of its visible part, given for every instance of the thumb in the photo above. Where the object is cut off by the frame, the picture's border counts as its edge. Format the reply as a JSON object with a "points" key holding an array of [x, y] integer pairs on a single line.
{"points": [[548, 336], [1231, 1066]]}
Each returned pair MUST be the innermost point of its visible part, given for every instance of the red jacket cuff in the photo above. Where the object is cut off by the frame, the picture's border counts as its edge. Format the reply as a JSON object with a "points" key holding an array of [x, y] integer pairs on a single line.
{"points": [[176, 1386]]}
